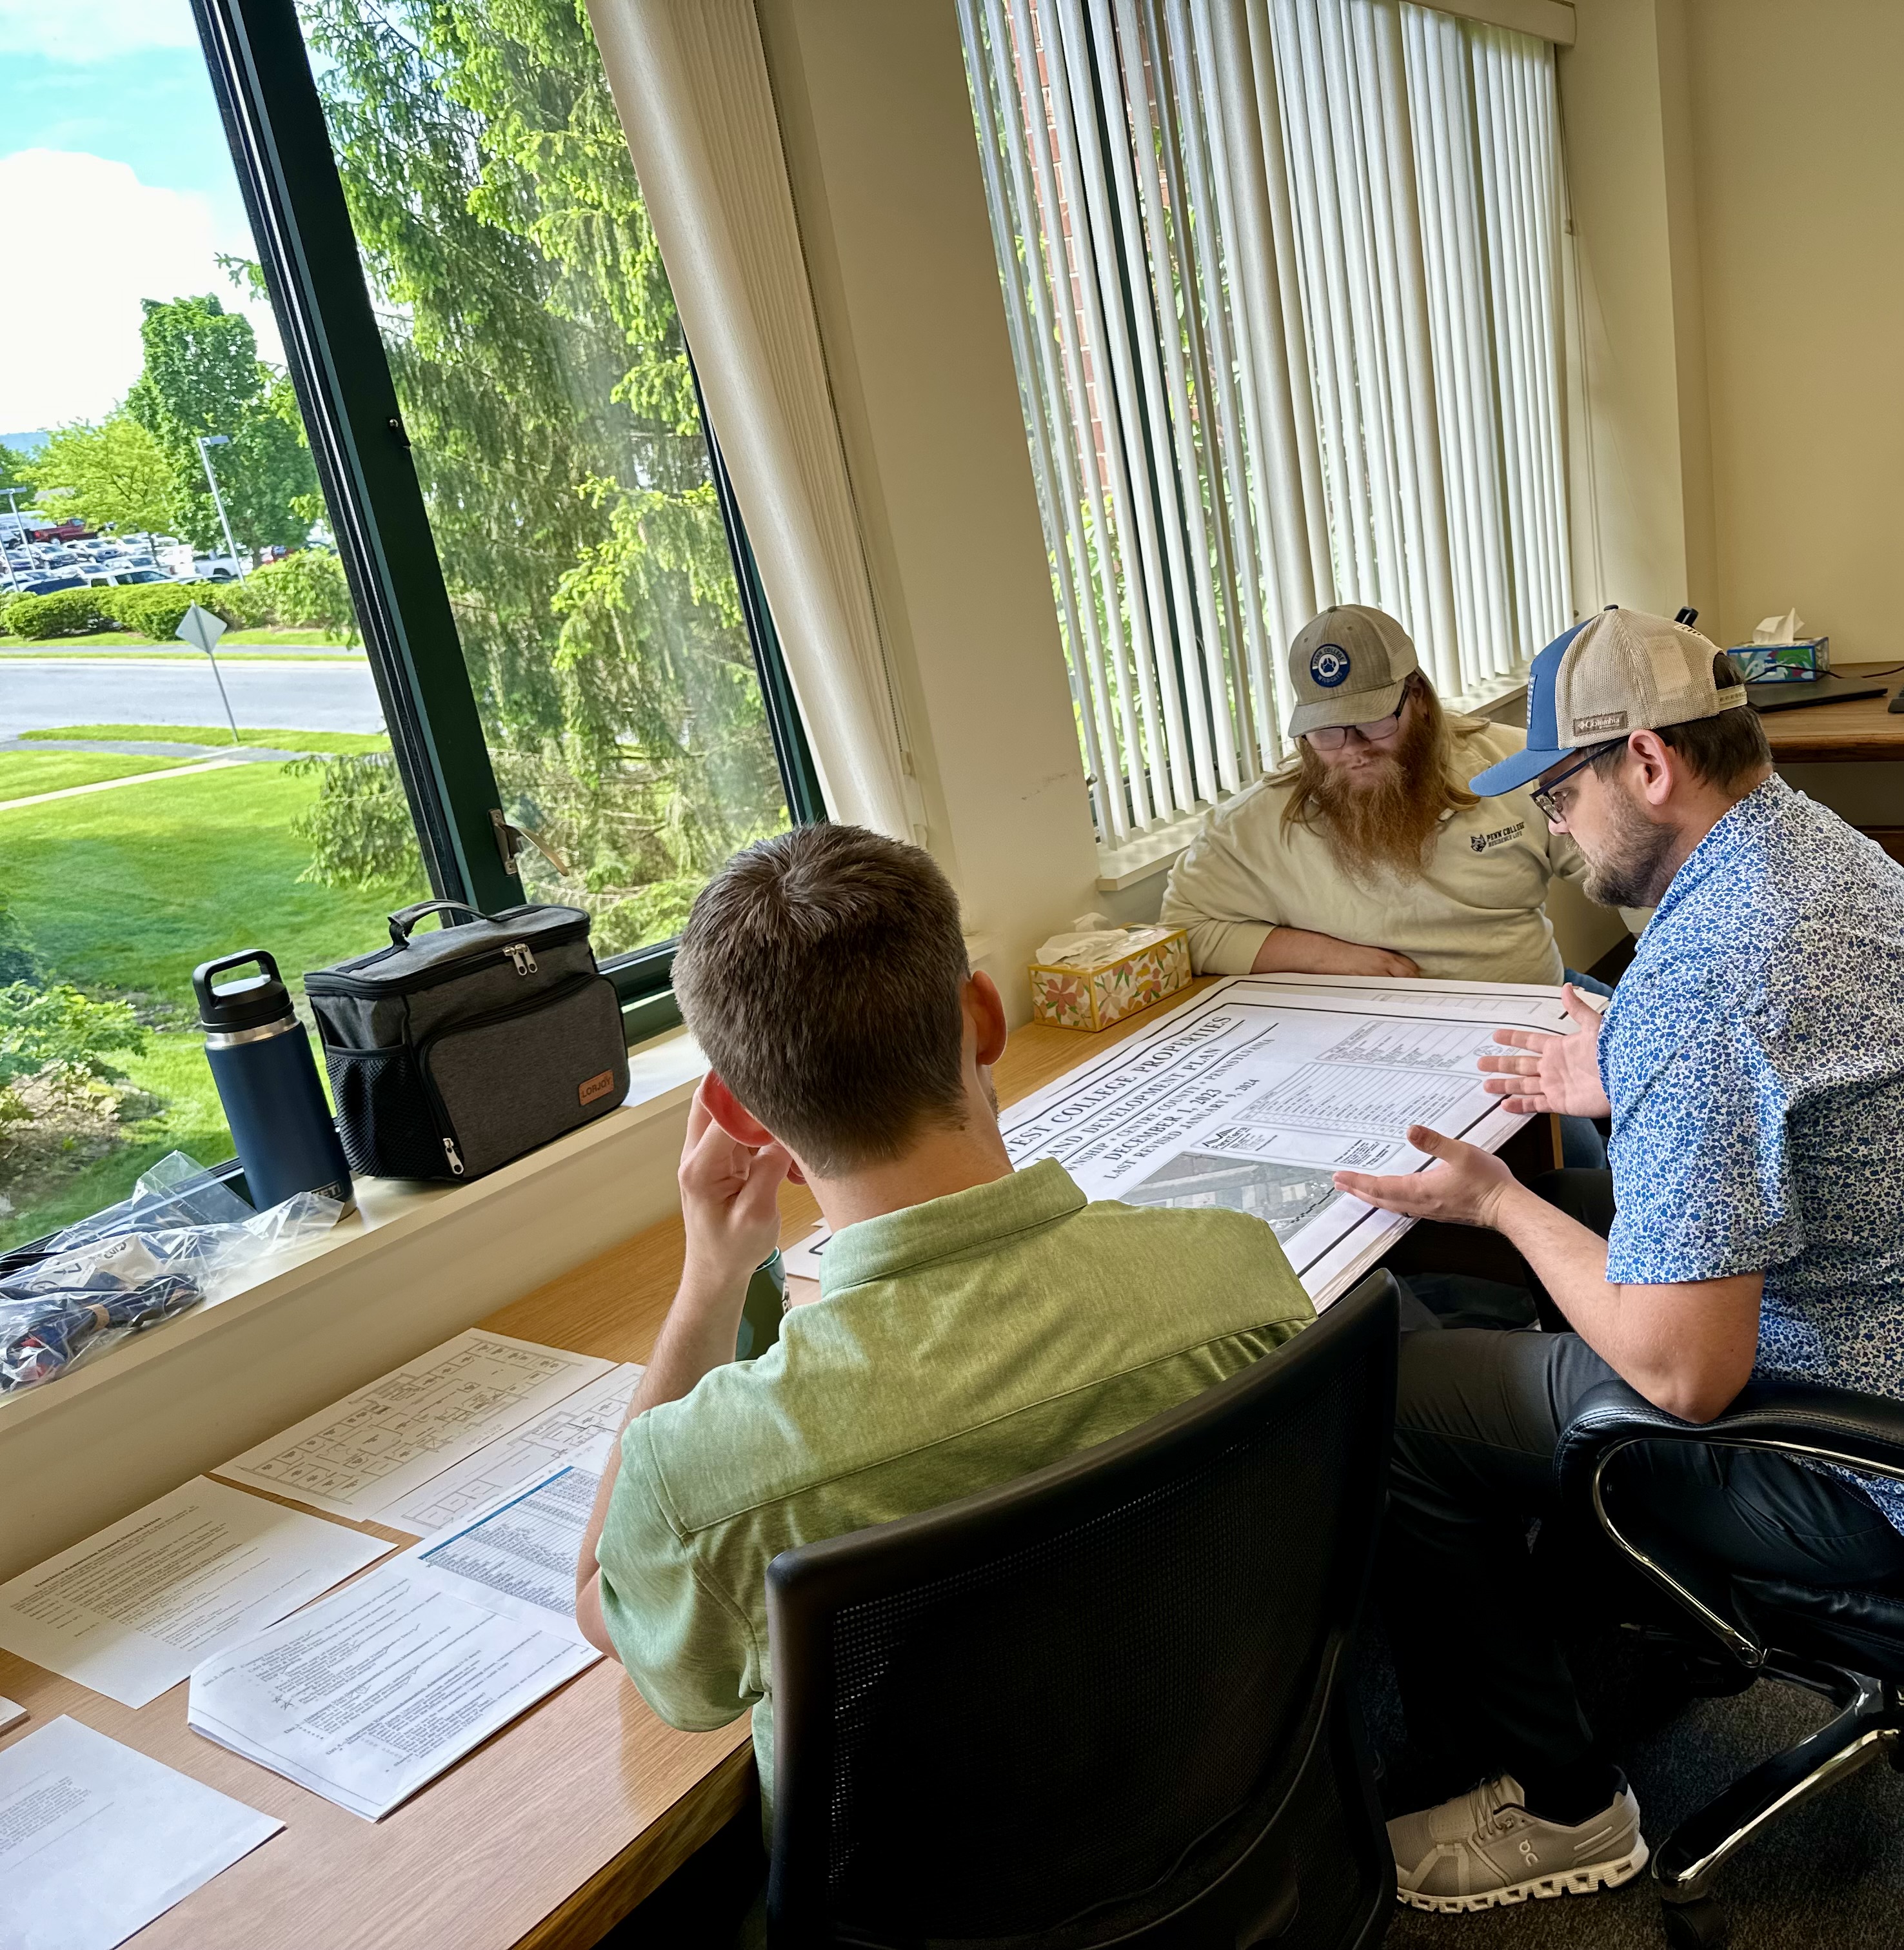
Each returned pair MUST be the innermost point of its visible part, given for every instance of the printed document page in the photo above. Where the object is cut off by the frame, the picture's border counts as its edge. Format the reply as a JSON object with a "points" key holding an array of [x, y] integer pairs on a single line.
{"points": [[130, 1612], [1254, 1094], [367, 1697], [96, 1839], [568, 1429], [518, 1557], [364, 1456]]}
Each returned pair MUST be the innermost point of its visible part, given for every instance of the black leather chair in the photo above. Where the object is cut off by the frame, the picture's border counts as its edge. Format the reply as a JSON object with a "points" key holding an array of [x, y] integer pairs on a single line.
{"points": [[1107, 1702], [1847, 1645]]}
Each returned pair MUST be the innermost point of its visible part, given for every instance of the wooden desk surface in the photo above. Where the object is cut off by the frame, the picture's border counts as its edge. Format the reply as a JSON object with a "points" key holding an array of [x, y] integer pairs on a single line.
{"points": [[1863, 728], [554, 1829]]}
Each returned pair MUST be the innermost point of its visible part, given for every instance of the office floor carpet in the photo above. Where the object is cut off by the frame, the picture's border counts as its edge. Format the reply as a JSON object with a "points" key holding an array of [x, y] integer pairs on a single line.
{"points": [[1828, 1873]]}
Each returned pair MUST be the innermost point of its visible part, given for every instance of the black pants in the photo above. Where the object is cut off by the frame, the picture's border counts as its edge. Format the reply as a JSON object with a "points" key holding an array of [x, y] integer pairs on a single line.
{"points": [[1484, 1679]]}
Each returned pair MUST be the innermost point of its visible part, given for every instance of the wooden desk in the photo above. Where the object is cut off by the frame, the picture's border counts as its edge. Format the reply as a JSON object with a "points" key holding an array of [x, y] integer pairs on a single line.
{"points": [[1862, 729], [553, 1831]]}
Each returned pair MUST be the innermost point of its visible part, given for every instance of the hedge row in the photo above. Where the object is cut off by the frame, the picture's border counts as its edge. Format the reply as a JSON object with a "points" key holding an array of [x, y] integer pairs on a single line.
{"points": [[305, 591]]}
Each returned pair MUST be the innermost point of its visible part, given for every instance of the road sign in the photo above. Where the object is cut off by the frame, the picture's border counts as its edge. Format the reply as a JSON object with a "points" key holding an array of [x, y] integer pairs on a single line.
{"points": [[202, 630]]}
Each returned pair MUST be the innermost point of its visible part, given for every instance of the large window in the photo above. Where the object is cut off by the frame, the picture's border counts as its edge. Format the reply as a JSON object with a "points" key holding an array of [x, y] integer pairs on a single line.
{"points": [[371, 352], [1282, 281]]}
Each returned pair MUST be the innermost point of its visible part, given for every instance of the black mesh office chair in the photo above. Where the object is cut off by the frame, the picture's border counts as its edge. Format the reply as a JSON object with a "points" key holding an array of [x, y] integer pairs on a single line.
{"points": [[1847, 1645], [1106, 1702]]}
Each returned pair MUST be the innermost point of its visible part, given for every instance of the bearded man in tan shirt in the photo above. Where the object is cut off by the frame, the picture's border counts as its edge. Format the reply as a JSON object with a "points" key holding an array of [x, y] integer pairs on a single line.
{"points": [[1369, 856]]}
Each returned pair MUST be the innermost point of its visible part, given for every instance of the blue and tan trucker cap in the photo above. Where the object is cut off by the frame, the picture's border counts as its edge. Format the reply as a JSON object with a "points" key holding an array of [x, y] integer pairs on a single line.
{"points": [[1622, 670]]}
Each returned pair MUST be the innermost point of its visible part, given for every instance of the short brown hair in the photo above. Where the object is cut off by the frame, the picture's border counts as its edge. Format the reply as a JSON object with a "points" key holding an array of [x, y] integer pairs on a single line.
{"points": [[822, 971], [1722, 749]]}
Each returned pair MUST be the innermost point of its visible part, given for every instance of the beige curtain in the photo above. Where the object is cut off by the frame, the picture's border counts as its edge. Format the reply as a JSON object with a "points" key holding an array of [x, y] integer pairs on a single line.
{"points": [[689, 80]]}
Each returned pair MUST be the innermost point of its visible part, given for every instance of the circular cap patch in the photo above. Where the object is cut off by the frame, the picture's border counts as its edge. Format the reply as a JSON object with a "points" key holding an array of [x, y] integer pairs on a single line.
{"points": [[1329, 665]]}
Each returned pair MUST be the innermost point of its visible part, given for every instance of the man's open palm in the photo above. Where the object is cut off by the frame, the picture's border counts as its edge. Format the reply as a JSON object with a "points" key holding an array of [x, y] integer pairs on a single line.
{"points": [[1560, 1073]]}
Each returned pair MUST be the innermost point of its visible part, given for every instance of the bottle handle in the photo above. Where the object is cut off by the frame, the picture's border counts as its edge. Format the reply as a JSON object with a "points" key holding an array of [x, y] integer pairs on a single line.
{"points": [[201, 976], [404, 919]]}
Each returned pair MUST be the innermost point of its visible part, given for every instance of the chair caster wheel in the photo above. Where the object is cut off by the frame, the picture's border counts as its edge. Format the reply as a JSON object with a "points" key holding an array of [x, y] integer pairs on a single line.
{"points": [[1699, 1925]]}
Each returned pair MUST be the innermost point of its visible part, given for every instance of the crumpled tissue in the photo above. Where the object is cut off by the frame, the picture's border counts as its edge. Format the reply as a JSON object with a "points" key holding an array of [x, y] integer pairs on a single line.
{"points": [[1788, 628]]}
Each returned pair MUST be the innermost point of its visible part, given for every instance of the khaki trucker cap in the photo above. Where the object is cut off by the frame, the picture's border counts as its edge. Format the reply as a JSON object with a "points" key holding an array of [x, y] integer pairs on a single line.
{"points": [[1347, 666]]}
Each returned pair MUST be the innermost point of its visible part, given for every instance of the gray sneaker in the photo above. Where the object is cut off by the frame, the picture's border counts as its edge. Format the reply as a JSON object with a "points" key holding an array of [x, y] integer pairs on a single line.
{"points": [[1484, 1848]]}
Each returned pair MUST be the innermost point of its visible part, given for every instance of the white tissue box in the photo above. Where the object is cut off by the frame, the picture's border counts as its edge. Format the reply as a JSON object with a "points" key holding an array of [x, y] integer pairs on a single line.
{"points": [[1783, 663], [1101, 988]]}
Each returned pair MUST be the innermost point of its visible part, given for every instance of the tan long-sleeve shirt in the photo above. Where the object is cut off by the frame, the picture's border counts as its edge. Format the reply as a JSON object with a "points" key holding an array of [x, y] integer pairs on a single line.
{"points": [[1477, 913]]}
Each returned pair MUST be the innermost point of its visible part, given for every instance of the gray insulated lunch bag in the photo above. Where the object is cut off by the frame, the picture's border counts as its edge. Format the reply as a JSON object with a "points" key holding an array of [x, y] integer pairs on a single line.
{"points": [[452, 1052]]}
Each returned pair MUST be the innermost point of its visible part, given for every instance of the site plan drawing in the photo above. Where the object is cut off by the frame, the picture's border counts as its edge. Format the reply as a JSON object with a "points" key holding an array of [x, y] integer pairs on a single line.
{"points": [[364, 1456], [1254, 1094]]}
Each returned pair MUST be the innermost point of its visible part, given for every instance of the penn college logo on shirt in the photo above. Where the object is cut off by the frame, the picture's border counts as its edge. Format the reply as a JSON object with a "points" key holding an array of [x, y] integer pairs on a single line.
{"points": [[1485, 842], [1329, 665]]}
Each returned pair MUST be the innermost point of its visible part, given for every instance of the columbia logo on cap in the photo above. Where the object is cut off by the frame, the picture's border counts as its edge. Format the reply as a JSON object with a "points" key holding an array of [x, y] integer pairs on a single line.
{"points": [[1606, 721]]}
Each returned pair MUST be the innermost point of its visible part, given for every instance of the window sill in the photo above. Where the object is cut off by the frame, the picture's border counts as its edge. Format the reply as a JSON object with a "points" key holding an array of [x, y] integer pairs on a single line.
{"points": [[1146, 855], [415, 1264]]}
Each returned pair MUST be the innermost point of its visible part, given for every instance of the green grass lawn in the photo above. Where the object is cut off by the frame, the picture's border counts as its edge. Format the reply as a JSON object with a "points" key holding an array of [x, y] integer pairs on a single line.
{"points": [[219, 734], [23, 774], [124, 892]]}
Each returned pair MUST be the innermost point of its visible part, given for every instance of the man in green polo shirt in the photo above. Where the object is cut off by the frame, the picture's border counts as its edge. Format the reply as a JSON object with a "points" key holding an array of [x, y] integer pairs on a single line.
{"points": [[975, 1323]]}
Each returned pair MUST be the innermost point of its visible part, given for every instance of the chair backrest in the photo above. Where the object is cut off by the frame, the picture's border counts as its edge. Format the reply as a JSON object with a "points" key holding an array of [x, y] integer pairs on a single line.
{"points": [[1105, 1702]]}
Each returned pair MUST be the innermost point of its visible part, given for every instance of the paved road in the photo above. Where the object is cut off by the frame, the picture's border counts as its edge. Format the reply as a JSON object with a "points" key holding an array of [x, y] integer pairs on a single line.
{"points": [[112, 691]]}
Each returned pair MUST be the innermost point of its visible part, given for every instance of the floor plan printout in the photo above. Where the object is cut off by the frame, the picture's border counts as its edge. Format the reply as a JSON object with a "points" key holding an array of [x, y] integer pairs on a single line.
{"points": [[592, 1414], [364, 1455], [1254, 1095]]}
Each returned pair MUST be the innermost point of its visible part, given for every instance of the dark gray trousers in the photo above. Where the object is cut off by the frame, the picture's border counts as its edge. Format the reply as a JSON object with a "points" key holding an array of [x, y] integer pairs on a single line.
{"points": [[1484, 1679]]}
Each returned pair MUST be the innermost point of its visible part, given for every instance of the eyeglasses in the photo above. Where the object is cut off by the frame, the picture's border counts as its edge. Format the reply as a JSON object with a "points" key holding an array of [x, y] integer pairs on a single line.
{"points": [[1554, 811], [1378, 731]]}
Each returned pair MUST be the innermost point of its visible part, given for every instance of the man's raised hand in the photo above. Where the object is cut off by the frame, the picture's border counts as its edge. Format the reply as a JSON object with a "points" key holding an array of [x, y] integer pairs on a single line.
{"points": [[1560, 1073], [729, 1197]]}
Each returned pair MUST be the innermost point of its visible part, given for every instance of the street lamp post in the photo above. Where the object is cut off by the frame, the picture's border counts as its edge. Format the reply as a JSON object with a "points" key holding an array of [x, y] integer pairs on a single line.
{"points": [[206, 441], [12, 508]]}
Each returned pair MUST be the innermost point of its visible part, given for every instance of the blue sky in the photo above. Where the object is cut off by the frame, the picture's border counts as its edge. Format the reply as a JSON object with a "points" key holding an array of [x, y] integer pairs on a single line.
{"points": [[111, 153]]}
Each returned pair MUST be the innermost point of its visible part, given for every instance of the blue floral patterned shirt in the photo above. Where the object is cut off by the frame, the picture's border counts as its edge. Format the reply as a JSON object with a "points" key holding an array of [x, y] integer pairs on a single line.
{"points": [[1753, 1054]]}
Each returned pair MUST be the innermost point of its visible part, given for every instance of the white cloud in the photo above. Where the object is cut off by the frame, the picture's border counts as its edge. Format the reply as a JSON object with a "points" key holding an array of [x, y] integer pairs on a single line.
{"points": [[86, 241], [98, 30]]}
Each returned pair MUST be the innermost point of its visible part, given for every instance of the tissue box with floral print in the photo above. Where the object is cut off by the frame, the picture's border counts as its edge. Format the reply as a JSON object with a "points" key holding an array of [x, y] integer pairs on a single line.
{"points": [[1092, 981]]}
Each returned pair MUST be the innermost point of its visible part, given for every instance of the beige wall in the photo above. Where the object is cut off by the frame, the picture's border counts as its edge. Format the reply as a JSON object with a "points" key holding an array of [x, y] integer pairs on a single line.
{"points": [[1737, 175], [1799, 149]]}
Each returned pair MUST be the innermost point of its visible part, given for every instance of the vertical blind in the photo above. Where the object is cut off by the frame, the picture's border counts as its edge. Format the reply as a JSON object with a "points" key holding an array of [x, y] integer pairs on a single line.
{"points": [[1282, 278]]}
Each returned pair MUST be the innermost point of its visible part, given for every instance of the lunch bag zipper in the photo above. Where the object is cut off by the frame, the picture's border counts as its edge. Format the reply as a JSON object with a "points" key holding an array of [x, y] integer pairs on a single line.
{"points": [[327, 982]]}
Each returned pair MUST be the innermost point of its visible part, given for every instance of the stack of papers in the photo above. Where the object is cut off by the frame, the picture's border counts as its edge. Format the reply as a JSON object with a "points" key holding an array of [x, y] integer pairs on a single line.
{"points": [[368, 1696], [130, 1612], [96, 1840]]}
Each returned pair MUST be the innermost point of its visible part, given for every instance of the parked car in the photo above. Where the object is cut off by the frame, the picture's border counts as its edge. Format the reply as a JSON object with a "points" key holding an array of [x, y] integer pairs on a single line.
{"points": [[220, 568], [46, 585], [107, 579]]}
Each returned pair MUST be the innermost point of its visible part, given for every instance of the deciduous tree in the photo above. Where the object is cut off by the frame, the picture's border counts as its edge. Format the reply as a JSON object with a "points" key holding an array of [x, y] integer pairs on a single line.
{"points": [[114, 474]]}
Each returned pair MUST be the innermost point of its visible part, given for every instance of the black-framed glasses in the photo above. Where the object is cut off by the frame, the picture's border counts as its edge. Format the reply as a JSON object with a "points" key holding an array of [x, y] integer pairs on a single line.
{"points": [[1376, 731], [1543, 796]]}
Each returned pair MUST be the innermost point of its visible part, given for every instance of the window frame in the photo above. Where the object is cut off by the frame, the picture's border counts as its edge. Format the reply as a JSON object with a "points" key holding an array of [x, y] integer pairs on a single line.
{"points": [[294, 197]]}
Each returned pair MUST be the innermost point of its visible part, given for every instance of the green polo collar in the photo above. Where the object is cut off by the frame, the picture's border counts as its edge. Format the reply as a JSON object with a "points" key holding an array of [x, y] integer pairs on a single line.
{"points": [[964, 1222]]}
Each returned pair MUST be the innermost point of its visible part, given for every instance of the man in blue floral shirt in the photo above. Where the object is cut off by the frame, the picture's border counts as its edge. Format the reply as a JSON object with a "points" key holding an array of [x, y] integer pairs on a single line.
{"points": [[1752, 1223]]}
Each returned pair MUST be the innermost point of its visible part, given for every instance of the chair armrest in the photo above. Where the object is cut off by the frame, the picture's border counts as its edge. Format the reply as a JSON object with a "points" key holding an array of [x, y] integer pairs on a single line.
{"points": [[1837, 1424]]}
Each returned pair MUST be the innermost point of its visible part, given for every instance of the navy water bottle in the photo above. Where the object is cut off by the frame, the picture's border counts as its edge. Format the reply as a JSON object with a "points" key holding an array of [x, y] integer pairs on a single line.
{"points": [[260, 1059]]}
